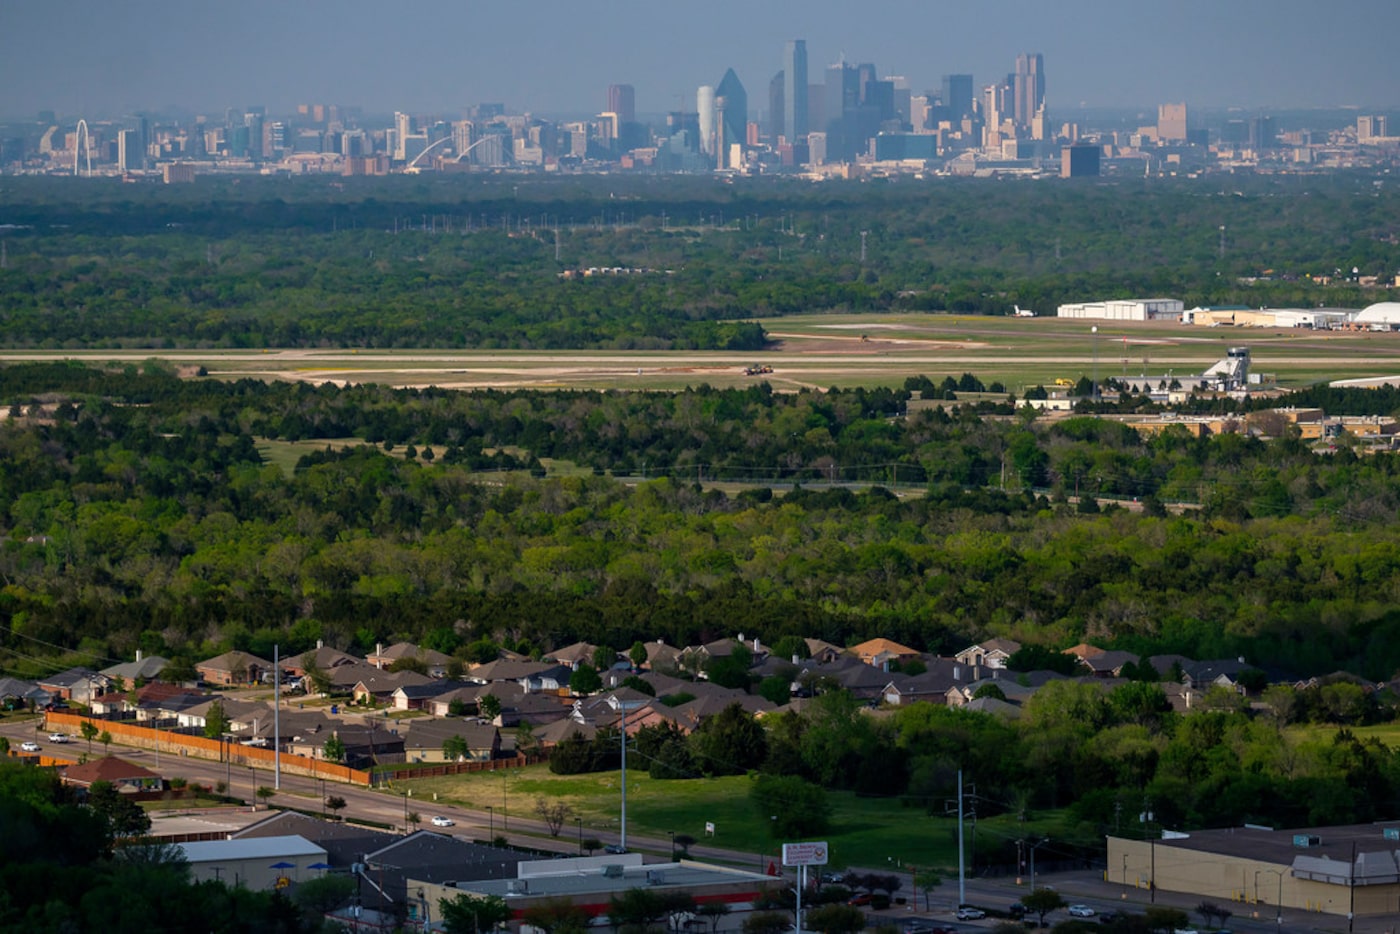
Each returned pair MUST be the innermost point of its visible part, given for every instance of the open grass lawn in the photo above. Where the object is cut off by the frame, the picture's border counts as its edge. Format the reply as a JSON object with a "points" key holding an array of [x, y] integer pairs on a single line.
{"points": [[867, 832], [1387, 733]]}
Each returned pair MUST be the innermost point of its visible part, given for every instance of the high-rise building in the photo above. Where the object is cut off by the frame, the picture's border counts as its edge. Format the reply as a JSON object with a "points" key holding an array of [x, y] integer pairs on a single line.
{"points": [[131, 157], [1370, 128], [736, 109], [622, 100], [1029, 87], [403, 129], [1171, 123], [705, 115], [776, 108], [794, 120], [957, 96]]}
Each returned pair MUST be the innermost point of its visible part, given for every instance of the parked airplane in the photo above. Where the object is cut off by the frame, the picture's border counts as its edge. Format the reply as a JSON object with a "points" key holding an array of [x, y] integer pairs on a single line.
{"points": [[1023, 312]]}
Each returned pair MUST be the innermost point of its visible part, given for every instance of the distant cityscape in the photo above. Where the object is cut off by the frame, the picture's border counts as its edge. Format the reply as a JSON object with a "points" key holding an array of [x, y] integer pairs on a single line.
{"points": [[853, 122]]}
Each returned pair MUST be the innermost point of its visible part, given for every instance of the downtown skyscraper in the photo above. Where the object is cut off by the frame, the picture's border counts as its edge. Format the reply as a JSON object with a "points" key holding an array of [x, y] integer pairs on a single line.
{"points": [[794, 125]]}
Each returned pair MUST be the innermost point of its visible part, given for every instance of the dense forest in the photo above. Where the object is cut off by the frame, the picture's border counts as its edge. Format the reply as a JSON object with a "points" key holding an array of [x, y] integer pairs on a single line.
{"points": [[138, 512], [477, 262]]}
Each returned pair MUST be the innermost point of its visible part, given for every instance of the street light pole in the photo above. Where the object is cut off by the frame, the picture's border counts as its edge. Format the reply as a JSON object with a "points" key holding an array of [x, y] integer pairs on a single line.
{"points": [[673, 844], [491, 823], [1034, 847], [579, 821]]}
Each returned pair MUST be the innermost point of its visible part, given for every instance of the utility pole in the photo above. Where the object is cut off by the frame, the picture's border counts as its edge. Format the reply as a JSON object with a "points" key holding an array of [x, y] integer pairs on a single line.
{"points": [[863, 235]]}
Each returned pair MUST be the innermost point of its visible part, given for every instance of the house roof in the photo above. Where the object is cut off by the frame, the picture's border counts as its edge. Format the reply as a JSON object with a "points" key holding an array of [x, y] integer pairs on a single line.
{"points": [[560, 730], [408, 650], [434, 687], [1009, 646], [436, 732], [107, 769], [872, 647], [143, 668], [386, 682], [573, 654], [14, 687], [324, 656], [1108, 661], [67, 679], [233, 661], [491, 672]]}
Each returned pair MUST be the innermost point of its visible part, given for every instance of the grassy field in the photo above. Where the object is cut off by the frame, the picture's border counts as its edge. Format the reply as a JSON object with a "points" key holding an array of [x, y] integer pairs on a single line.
{"points": [[868, 832], [832, 350]]}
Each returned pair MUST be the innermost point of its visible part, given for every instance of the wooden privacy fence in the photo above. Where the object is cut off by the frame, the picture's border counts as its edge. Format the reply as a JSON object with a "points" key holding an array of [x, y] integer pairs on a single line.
{"points": [[202, 747]]}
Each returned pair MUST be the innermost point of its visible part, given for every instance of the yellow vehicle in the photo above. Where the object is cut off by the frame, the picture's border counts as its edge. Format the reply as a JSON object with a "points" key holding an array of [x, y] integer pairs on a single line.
{"points": [[1064, 382]]}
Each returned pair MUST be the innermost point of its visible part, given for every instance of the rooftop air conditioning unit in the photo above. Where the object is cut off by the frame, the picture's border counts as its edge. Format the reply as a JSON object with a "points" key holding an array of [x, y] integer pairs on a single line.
{"points": [[613, 870]]}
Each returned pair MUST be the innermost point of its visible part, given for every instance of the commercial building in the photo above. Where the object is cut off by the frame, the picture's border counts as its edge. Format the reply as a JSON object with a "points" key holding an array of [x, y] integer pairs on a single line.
{"points": [[1136, 309], [1081, 161], [590, 882], [1267, 873]]}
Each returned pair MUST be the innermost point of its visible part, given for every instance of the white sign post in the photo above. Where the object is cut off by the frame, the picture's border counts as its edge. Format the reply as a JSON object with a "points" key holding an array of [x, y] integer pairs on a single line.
{"points": [[803, 855]]}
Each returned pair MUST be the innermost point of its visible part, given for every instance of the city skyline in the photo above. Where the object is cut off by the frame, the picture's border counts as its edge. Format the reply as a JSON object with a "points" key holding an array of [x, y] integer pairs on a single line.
{"points": [[557, 58]]}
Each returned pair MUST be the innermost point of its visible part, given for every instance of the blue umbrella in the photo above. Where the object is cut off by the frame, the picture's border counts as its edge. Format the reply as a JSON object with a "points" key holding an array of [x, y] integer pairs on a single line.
{"points": [[319, 866], [283, 865]]}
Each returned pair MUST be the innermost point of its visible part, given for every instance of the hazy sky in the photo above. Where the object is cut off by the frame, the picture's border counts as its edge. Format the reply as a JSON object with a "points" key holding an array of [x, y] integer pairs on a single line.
{"points": [[552, 57]]}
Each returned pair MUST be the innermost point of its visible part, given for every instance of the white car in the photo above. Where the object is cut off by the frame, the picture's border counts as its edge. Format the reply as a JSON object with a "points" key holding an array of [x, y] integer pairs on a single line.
{"points": [[29, 746], [968, 913], [58, 737], [444, 822], [1081, 911]]}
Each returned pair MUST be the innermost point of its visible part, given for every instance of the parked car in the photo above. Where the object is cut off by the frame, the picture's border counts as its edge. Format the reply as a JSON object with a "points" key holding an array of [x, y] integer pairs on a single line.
{"points": [[968, 913], [444, 822], [58, 737], [1111, 917], [29, 746], [1016, 911], [925, 926], [1081, 911], [615, 849], [864, 898]]}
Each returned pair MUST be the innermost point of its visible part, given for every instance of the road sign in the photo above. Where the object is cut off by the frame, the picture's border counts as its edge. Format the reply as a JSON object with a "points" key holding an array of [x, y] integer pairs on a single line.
{"points": [[804, 854]]}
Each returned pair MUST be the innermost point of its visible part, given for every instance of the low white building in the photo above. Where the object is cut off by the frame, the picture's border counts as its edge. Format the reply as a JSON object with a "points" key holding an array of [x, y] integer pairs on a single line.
{"points": [[256, 863], [1126, 309]]}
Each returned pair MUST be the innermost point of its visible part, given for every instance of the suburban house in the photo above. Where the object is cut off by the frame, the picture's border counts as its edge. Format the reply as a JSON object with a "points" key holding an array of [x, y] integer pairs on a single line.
{"points": [[434, 661], [364, 745], [532, 676], [822, 652], [233, 668], [1109, 664], [662, 657], [145, 668], [15, 694], [122, 775], [379, 687], [322, 657], [990, 654], [425, 740], [417, 696], [79, 685], [880, 652], [574, 655]]}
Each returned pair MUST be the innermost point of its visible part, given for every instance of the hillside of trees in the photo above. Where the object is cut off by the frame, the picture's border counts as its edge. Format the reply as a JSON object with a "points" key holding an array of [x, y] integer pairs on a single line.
{"points": [[471, 262], [138, 513]]}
